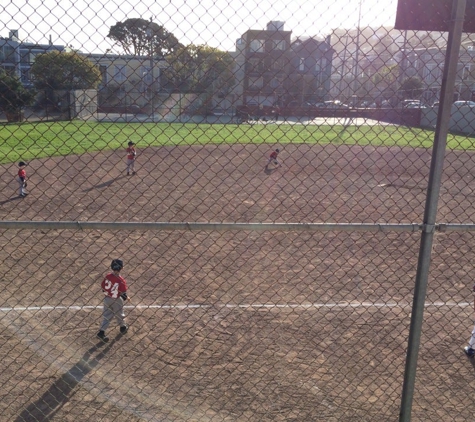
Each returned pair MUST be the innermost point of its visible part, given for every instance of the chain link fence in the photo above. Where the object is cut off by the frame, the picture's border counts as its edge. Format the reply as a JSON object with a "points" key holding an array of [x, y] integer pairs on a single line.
{"points": [[263, 172]]}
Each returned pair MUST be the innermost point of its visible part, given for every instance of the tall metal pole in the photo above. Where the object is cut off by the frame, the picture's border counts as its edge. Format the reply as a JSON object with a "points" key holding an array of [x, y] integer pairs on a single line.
{"points": [[430, 212], [403, 65], [151, 70], [358, 30], [343, 66]]}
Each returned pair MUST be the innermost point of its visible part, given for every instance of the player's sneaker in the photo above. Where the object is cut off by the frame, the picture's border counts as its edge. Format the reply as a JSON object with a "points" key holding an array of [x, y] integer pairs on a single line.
{"points": [[469, 351], [101, 335], [123, 329]]}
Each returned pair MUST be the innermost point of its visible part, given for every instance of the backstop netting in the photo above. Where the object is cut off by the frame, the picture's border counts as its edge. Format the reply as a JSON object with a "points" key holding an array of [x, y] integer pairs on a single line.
{"points": [[262, 171]]}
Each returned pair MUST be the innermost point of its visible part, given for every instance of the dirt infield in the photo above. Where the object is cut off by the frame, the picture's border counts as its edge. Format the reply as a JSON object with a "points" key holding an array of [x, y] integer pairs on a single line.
{"points": [[235, 326]]}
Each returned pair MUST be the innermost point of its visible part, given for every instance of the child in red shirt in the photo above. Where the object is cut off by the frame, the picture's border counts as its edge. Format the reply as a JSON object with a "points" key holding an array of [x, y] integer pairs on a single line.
{"points": [[114, 288], [22, 178], [273, 158], [131, 154]]}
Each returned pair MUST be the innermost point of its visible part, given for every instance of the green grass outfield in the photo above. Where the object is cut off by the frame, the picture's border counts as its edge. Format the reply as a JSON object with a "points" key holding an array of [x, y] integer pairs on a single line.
{"points": [[37, 140]]}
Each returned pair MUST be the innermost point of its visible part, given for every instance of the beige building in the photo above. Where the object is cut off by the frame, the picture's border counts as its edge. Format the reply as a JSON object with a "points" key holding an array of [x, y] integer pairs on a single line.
{"points": [[128, 81]]}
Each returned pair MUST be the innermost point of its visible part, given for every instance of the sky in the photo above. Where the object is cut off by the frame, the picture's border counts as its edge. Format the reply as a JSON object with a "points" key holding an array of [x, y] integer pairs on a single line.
{"points": [[84, 24]]}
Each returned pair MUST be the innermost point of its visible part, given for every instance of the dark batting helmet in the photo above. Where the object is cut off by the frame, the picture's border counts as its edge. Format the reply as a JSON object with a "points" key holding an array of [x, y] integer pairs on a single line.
{"points": [[117, 265]]}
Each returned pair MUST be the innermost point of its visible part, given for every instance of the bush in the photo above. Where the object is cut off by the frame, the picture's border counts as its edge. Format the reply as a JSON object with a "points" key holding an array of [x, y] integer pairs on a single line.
{"points": [[13, 95]]}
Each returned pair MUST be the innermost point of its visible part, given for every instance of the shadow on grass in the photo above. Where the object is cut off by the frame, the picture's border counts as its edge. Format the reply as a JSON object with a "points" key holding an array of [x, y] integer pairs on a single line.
{"points": [[45, 408]]}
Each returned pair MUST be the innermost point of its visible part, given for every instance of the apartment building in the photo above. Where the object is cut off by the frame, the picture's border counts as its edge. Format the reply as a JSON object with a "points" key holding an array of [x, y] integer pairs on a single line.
{"points": [[272, 70], [17, 57]]}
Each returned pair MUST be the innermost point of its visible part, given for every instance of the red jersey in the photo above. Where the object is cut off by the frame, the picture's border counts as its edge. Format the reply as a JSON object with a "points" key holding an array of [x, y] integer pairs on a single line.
{"points": [[22, 174], [274, 155], [131, 153], [113, 285]]}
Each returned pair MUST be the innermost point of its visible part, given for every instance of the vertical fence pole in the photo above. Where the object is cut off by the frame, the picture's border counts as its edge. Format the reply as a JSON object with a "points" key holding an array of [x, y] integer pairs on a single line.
{"points": [[430, 211]]}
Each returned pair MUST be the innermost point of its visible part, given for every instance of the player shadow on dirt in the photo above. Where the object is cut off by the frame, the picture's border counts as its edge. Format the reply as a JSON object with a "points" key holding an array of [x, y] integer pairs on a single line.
{"points": [[46, 407], [105, 184], [268, 170], [14, 198], [472, 361]]}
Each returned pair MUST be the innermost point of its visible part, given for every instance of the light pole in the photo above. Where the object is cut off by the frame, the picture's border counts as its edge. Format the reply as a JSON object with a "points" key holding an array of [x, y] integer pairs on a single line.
{"points": [[150, 38], [358, 30], [343, 68]]}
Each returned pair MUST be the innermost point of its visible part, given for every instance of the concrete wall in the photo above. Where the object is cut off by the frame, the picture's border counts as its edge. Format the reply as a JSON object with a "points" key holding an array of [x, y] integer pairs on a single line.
{"points": [[84, 104], [174, 105]]}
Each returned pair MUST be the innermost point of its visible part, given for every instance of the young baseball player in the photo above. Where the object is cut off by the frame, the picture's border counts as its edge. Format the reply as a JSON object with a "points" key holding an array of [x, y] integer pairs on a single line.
{"points": [[114, 287], [22, 178], [273, 158], [131, 154], [470, 349]]}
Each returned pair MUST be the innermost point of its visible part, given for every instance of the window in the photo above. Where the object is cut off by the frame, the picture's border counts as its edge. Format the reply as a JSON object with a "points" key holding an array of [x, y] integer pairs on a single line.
{"points": [[119, 73], [9, 54], [274, 83], [255, 84], [255, 65], [279, 64], [431, 72], [25, 76], [280, 45], [103, 70], [257, 46], [147, 74], [301, 64], [25, 57], [467, 72]]}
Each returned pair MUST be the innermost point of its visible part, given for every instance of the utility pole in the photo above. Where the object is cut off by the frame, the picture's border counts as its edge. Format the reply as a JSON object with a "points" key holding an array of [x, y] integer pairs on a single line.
{"points": [[356, 67], [150, 33]]}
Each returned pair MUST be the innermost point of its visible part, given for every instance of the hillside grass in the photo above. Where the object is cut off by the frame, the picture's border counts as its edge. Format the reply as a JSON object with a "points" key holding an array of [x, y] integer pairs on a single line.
{"points": [[27, 141]]}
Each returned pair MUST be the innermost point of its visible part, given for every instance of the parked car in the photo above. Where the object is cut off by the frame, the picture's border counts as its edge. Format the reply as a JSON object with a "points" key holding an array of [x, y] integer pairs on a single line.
{"points": [[410, 103], [464, 104], [315, 104], [218, 111], [334, 104], [415, 105]]}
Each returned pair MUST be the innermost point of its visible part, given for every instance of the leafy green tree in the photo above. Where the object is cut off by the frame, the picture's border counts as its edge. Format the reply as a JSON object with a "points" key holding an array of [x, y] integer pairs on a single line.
{"points": [[411, 87], [199, 69], [58, 70], [13, 95], [387, 75], [141, 37]]}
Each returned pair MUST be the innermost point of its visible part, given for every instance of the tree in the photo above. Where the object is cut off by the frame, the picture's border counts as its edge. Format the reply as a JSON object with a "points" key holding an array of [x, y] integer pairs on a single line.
{"points": [[199, 69], [58, 70], [385, 80], [141, 37], [13, 95], [411, 87]]}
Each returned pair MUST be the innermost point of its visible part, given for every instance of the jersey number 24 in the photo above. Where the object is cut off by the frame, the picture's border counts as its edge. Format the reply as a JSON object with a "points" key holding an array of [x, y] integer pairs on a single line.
{"points": [[112, 289]]}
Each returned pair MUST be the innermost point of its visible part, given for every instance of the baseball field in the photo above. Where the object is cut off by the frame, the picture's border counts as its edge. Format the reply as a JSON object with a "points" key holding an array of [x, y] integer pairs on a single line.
{"points": [[232, 325]]}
